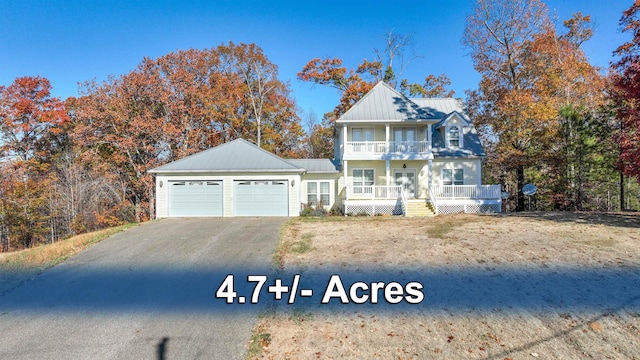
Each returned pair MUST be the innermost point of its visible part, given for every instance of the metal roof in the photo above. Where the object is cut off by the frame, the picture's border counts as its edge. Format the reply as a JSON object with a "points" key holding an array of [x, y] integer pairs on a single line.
{"points": [[316, 165], [441, 107], [470, 141], [237, 155], [384, 103]]}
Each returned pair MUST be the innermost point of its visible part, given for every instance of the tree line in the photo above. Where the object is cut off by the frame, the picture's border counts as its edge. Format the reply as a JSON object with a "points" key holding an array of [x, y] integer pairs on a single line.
{"points": [[546, 115]]}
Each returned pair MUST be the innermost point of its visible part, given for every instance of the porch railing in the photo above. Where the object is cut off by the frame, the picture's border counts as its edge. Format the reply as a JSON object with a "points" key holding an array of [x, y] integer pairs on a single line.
{"points": [[434, 200], [467, 192], [373, 192], [383, 147]]}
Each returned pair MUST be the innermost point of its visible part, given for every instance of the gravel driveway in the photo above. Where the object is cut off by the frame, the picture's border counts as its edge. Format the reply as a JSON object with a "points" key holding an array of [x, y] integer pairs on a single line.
{"points": [[147, 293]]}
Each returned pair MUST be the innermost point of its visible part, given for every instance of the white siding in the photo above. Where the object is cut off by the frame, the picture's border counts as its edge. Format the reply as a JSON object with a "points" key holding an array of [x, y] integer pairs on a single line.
{"points": [[333, 187], [472, 170]]}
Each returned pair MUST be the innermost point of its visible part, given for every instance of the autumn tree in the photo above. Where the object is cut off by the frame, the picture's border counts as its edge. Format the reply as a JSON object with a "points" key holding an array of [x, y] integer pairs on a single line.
{"points": [[433, 87], [529, 74], [625, 79], [30, 121], [496, 35]]}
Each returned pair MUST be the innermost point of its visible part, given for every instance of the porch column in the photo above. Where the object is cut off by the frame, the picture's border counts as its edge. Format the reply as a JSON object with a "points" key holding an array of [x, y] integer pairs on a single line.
{"points": [[388, 163], [430, 167], [344, 139], [429, 137], [386, 139], [346, 183]]}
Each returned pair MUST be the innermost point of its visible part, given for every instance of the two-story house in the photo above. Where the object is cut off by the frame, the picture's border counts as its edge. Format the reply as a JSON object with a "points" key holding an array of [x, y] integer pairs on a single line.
{"points": [[393, 155], [425, 152]]}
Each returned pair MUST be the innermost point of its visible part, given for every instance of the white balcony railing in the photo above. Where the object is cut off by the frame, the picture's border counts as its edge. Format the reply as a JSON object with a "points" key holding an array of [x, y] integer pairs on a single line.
{"points": [[373, 192], [366, 147], [467, 192], [383, 147]]}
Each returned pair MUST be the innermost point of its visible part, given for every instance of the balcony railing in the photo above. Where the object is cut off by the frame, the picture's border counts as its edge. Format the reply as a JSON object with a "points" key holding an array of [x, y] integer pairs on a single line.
{"points": [[383, 147], [373, 192], [467, 192]]}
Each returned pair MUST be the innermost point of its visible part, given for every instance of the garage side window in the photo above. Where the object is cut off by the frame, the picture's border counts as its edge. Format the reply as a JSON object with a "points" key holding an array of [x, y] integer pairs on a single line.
{"points": [[318, 191]]}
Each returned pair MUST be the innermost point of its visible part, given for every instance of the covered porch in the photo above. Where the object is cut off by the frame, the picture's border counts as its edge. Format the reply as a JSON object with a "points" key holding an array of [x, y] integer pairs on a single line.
{"points": [[442, 199]]}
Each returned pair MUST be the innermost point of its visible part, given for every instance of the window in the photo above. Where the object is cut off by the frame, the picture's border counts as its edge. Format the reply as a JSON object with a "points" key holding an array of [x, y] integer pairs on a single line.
{"points": [[454, 136], [323, 195], [362, 134], [404, 134], [452, 177], [362, 181]]}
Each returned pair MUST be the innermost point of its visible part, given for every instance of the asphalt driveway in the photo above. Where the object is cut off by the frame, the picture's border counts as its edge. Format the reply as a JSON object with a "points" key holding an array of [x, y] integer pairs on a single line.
{"points": [[147, 293]]}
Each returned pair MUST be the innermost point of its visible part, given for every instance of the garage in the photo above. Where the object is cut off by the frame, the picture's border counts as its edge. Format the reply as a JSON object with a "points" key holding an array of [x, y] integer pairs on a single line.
{"points": [[236, 178], [195, 198], [261, 198]]}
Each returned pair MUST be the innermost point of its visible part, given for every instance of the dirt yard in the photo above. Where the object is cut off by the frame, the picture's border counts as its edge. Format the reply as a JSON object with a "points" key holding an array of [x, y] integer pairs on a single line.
{"points": [[542, 285]]}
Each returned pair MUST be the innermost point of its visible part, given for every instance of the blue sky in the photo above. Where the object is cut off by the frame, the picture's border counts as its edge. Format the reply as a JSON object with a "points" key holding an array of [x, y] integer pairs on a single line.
{"points": [[73, 41]]}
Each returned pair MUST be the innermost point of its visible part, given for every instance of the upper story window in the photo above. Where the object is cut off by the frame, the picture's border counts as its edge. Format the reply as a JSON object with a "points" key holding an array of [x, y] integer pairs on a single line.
{"points": [[362, 134], [404, 134], [454, 134]]}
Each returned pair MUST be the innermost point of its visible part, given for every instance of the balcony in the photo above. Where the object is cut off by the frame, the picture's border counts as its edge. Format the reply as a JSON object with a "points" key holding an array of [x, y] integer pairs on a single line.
{"points": [[379, 148]]}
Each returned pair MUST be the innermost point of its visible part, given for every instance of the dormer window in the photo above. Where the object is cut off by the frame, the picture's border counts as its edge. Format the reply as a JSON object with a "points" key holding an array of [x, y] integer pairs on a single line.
{"points": [[455, 136]]}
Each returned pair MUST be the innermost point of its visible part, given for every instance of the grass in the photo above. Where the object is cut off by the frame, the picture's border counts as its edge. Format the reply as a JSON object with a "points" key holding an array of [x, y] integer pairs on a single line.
{"points": [[439, 228], [259, 340], [46, 256]]}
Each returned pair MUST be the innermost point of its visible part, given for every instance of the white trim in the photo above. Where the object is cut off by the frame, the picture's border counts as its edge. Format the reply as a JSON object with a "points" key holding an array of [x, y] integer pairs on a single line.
{"points": [[460, 137], [415, 179], [453, 176], [318, 192], [363, 169]]}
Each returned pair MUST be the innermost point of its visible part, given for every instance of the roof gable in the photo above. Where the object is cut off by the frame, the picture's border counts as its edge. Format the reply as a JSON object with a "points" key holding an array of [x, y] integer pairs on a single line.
{"points": [[454, 115], [384, 103], [237, 155]]}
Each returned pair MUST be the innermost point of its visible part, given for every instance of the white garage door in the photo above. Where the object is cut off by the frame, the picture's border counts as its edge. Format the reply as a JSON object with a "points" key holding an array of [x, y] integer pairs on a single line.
{"points": [[195, 198], [261, 198]]}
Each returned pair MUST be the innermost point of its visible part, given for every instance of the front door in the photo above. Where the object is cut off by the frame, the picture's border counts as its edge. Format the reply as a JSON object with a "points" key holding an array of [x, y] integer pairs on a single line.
{"points": [[407, 179]]}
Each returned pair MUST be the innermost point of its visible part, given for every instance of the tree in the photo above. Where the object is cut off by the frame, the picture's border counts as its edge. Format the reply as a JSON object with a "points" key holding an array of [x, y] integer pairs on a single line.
{"points": [[625, 79], [29, 116], [434, 86], [30, 123], [530, 73], [496, 34]]}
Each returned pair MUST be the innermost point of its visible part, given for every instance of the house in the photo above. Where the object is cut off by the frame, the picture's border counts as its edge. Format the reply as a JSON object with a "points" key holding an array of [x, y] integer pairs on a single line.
{"points": [[393, 155]]}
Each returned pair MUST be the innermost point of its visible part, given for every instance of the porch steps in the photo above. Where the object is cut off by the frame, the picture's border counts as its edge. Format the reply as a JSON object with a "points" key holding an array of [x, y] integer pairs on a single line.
{"points": [[419, 209]]}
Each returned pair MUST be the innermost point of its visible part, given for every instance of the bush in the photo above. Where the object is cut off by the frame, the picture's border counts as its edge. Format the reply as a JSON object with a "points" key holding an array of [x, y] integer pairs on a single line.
{"points": [[310, 210]]}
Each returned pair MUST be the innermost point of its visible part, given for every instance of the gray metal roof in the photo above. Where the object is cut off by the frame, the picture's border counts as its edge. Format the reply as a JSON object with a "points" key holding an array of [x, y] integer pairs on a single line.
{"points": [[316, 165], [384, 103], [441, 107], [470, 142], [237, 155]]}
